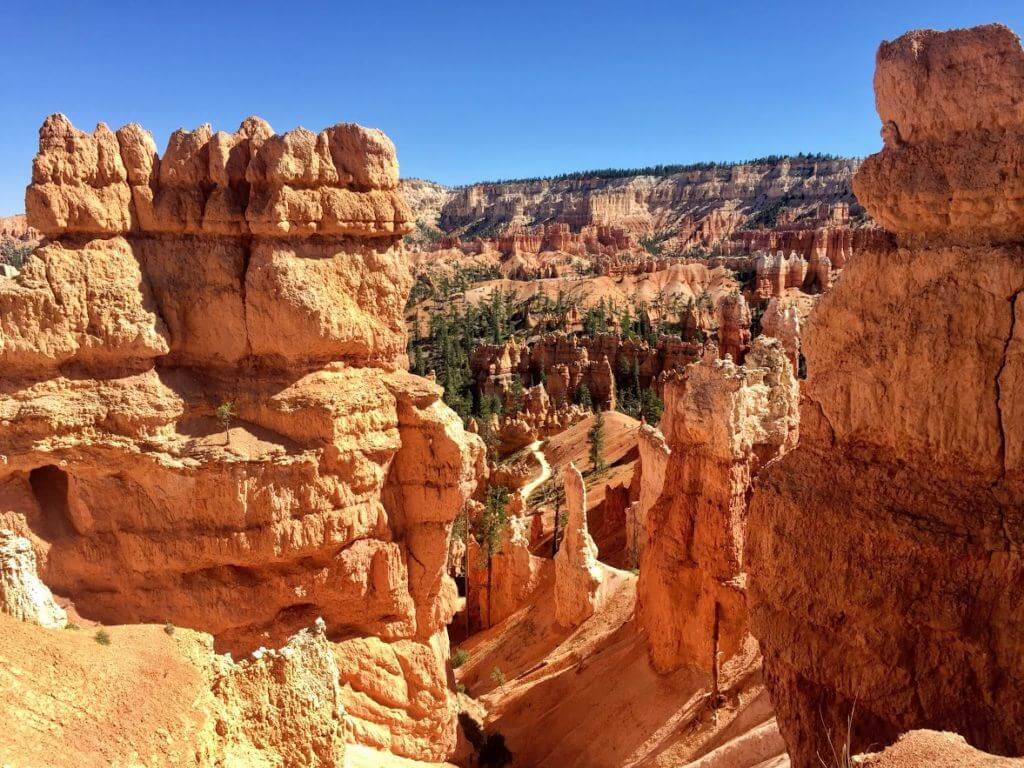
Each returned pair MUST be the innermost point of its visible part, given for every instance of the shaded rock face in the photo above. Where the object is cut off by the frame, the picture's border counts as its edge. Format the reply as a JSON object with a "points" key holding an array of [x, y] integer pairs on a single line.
{"points": [[884, 552], [721, 423], [262, 272]]}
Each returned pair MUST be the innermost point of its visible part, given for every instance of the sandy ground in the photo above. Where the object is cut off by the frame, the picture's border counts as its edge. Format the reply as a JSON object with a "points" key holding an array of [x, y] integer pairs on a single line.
{"points": [[68, 701], [588, 698]]}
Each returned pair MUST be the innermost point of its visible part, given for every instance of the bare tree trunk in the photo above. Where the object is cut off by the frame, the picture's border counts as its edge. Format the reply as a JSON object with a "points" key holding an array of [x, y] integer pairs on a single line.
{"points": [[554, 532], [465, 572], [490, 572], [715, 695]]}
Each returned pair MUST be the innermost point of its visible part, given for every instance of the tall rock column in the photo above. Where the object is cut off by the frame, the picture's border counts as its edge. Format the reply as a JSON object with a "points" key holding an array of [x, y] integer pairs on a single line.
{"points": [[721, 422], [578, 574], [884, 553]]}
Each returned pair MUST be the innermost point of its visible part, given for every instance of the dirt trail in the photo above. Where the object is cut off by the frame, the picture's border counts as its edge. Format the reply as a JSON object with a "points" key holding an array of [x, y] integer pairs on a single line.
{"points": [[545, 470]]}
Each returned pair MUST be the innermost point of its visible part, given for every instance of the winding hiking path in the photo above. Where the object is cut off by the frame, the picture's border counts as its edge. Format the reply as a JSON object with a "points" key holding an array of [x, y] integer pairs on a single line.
{"points": [[545, 470]]}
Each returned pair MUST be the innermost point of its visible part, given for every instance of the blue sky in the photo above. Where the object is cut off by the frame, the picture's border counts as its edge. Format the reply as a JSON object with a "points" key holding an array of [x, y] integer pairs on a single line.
{"points": [[474, 90]]}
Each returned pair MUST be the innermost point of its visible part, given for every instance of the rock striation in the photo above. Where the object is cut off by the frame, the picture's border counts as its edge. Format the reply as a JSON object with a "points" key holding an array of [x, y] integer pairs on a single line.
{"points": [[884, 552], [205, 417], [722, 422]]}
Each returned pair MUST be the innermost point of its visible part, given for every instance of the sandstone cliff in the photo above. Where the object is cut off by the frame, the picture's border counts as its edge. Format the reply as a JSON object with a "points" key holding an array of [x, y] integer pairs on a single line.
{"points": [[884, 552], [205, 417]]}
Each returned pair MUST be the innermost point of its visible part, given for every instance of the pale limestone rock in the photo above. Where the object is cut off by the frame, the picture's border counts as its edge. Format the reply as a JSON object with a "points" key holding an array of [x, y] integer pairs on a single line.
{"points": [[578, 574], [22, 594]]}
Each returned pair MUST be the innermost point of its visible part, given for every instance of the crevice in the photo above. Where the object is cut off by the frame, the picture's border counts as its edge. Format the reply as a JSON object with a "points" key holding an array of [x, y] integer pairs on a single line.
{"points": [[998, 386], [246, 259], [1005, 530]]}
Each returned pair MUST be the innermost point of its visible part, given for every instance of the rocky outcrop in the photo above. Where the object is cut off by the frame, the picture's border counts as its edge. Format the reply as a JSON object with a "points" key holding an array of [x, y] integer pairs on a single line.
{"points": [[782, 322], [578, 574], [515, 575], [654, 456], [920, 748], [22, 594], [205, 417], [722, 422], [733, 327], [885, 566], [281, 706]]}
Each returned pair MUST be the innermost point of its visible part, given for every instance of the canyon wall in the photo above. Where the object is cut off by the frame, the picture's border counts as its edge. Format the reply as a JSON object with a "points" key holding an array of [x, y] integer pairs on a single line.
{"points": [[205, 415], [884, 553], [701, 205]]}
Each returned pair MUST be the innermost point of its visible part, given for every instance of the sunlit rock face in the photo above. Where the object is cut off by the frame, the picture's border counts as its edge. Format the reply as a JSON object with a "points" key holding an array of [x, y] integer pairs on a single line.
{"points": [[884, 553], [722, 423], [205, 417]]}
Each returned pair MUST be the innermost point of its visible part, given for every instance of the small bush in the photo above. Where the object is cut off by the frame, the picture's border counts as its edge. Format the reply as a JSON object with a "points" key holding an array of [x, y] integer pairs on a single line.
{"points": [[71, 625], [169, 628], [497, 676], [459, 658], [102, 637]]}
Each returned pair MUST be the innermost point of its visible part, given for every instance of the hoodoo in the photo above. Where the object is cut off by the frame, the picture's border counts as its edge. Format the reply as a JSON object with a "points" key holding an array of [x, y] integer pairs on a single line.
{"points": [[205, 419], [884, 552]]}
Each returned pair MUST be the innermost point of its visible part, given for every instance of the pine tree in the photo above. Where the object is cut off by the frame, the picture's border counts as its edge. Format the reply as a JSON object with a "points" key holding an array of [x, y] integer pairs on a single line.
{"points": [[584, 398], [651, 406], [490, 529], [596, 438]]}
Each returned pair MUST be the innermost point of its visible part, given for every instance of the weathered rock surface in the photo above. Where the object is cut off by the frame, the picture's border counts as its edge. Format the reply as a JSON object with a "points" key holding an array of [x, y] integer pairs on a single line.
{"points": [[264, 272], [722, 422], [578, 574], [22, 594], [925, 748], [884, 553]]}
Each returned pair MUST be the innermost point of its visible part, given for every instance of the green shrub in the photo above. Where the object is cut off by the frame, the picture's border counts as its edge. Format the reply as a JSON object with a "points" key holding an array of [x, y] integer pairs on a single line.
{"points": [[102, 637], [459, 658]]}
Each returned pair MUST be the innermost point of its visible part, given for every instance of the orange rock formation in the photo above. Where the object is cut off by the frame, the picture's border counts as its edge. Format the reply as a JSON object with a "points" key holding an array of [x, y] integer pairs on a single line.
{"points": [[205, 420], [886, 571], [721, 423]]}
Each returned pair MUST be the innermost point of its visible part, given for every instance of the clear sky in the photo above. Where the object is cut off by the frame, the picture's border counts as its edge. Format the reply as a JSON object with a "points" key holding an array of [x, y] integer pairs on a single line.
{"points": [[469, 91]]}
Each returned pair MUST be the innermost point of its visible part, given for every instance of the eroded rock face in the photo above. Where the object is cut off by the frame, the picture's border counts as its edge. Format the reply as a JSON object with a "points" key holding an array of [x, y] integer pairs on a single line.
{"points": [[883, 552], [722, 422], [22, 594], [262, 272], [578, 574]]}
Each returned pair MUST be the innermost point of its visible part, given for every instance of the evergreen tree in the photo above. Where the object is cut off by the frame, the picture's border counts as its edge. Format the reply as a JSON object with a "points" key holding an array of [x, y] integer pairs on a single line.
{"points": [[596, 438], [583, 397], [651, 406], [490, 529], [514, 399]]}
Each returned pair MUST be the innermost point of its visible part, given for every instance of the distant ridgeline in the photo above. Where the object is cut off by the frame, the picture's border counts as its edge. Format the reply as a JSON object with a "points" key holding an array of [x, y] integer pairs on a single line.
{"points": [[679, 207]]}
